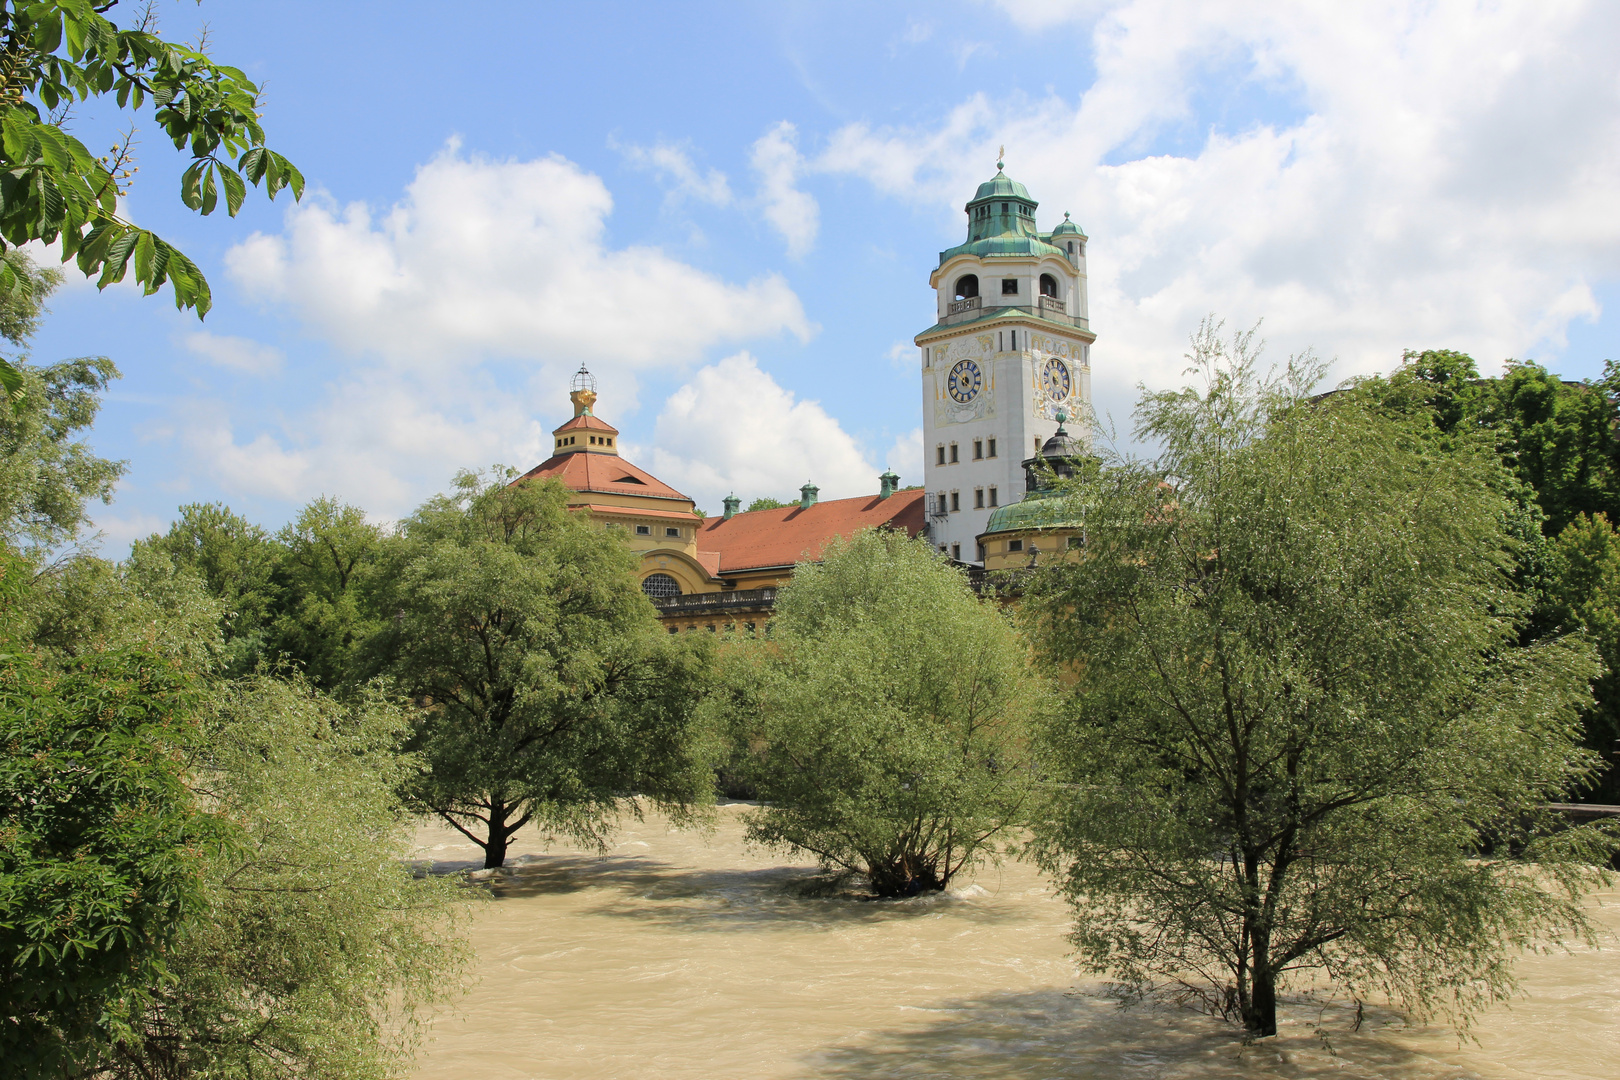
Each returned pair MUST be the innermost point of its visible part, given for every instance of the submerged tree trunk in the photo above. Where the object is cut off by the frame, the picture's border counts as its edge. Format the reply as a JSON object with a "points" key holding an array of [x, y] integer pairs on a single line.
{"points": [[501, 828], [1260, 1014]]}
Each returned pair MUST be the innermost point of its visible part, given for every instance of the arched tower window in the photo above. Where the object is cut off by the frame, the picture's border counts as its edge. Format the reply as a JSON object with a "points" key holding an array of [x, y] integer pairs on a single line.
{"points": [[660, 585], [967, 286], [1071, 249], [1048, 285]]}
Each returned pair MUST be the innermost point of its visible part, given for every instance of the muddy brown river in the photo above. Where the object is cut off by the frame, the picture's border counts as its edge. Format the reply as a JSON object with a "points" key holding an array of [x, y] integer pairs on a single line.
{"points": [[679, 955]]}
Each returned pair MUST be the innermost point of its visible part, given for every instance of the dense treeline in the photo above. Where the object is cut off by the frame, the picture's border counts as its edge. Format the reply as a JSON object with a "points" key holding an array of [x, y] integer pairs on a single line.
{"points": [[1560, 440]]}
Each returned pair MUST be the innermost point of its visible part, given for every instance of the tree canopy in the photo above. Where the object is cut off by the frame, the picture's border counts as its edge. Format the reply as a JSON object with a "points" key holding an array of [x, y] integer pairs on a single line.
{"points": [[889, 715], [547, 691]]}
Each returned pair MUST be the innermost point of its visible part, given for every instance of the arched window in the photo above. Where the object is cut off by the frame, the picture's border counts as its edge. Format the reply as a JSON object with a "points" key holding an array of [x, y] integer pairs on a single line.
{"points": [[967, 286], [1048, 285], [660, 585], [1071, 249]]}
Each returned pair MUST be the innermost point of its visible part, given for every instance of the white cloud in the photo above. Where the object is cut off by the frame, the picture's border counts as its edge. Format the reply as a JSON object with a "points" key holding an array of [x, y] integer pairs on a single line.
{"points": [[235, 353], [791, 212], [480, 263], [905, 457], [381, 439], [674, 168], [499, 258], [116, 531], [902, 356], [732, 428], [1437, 175]]}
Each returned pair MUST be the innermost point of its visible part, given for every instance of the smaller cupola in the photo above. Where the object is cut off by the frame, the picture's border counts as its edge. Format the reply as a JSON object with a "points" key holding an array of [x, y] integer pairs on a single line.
{"points": [[585, 433], [1058, 460]]}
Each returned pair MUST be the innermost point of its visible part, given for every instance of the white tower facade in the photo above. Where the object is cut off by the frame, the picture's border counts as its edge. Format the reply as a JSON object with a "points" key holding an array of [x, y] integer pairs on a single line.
{"points": [[1009, 351]]}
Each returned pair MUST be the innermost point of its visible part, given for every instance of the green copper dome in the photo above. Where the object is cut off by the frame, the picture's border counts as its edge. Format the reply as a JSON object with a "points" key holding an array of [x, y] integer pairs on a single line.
{"points": [[1001, 222], [1001, 186], [1068, 228], [1043, 512]]}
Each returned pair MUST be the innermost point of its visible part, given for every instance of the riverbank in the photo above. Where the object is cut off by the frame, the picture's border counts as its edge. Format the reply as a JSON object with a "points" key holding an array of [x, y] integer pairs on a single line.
{"points": [[682, 956]]}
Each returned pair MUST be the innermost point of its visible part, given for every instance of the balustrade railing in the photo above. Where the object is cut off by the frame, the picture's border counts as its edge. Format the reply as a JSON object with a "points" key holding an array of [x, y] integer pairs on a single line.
{"points": [[720, 601], [956, 307]]}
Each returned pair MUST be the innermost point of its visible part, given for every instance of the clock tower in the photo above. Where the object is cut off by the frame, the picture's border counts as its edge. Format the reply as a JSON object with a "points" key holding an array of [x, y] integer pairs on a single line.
{"points": [[1011, 348]]}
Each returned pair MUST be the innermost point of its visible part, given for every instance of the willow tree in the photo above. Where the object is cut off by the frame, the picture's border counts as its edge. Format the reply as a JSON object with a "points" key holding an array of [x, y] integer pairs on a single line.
{"points": [[1303, 733], [548, 692], [889, 716]]}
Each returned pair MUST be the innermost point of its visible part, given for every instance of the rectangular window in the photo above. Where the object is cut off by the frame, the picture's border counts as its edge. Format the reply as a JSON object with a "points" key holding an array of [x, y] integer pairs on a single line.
{"points": [[978, 498], [992, 448], [1074, 541], [981, 553], [1012, 338], [954, 454], [643, 530], [956, 552], [672, 532], [941, 449], [1015, 545], [978, 449], [1009, 286], [956, 500], [993, 497]]}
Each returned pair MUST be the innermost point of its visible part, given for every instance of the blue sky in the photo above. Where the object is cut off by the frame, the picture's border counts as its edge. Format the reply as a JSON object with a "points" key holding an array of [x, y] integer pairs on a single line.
{"points": [[730, 212]]}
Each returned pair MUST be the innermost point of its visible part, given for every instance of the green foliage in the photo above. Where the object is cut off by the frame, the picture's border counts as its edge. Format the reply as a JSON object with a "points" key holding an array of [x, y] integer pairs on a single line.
{"points": [[1585, 597], [99, 847], [765, 502], [47, 474], [321, 620], [314, 947], [237, 561], [548, 693], [1560, 438], [1557, 437], [87, 604], [888, 714], [20, 310], [1302, 733], [52, 188]]}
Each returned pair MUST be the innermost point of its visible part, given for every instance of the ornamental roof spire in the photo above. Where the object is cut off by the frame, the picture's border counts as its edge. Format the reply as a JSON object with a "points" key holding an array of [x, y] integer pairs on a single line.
{"points": [[583, 391]]}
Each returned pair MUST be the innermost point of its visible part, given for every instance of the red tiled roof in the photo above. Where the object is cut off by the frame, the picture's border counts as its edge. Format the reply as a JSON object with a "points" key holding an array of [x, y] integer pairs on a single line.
{"points": [[584, 421], [585, 471], [784, 536]]}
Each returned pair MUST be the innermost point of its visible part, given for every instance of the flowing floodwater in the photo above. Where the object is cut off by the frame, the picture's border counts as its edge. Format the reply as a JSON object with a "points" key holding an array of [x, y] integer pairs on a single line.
{"points": [[679, 955]]}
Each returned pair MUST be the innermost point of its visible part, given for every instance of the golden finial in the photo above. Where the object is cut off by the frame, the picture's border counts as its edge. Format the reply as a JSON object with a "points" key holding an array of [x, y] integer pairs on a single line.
{"points": [[1000, 157]]}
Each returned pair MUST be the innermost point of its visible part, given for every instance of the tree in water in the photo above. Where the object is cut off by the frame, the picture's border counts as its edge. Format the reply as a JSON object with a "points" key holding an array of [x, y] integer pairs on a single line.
{"points": [[547, 692], [1303, 732], [888, 717]]}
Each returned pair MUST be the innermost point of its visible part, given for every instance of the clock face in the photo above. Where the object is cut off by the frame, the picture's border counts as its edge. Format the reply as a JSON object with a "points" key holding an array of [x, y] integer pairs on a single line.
{"points": [[965, 381], [1055, 380]]}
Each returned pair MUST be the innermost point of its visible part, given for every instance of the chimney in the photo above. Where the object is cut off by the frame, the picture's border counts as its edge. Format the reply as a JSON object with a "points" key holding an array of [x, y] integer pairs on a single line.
{"points": [[888, 484], [807, 495], [731, 502]]}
